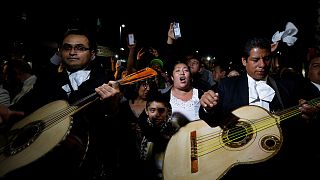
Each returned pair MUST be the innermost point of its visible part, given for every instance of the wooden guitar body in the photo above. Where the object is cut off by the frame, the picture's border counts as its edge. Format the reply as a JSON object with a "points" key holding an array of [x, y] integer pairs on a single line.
{"points": [[37, 134], [198, 151]]}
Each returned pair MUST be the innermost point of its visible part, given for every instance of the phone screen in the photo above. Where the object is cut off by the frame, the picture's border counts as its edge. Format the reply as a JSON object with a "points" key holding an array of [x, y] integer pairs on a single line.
{"points": [[131, 39], [176, 30]]}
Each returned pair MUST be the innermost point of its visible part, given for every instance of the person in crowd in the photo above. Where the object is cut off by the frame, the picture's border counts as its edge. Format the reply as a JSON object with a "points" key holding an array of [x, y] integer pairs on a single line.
{"points": [[314, 75], [4, 96], [233, 73], [157, 129], [84, 85], [183, 96], [120, 70], [130, 111], [205, 73], [219, 71], [21, 71], [257, 87], [145, 55], [163, 80], [199, 80]]}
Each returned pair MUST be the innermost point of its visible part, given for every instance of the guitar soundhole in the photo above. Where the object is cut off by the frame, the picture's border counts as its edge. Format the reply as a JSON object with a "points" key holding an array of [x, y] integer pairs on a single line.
{"points": [[270, 143], [237, 135], [23, 137]]}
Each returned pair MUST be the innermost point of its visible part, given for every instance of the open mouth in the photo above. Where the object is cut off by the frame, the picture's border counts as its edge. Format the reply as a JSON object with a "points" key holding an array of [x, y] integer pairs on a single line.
{"points": [[182, 78]]}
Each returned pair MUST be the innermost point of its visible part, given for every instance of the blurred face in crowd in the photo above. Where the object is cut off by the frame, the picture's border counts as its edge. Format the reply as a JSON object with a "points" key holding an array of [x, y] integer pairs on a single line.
{"points": [[144, 89], [233, 73], [314, 70], [75, 52], [158, 113], [194, 65], [181, 76], [258, 63], [218, 73], [157, 67]]}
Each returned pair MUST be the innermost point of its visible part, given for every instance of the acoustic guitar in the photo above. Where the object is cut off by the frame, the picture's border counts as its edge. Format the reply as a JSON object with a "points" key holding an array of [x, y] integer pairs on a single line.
{"points": [[198, 151], [35, 135]]}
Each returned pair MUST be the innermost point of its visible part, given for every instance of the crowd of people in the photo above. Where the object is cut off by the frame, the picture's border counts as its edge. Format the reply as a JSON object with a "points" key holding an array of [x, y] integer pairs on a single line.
{"points": [[78, 122]]}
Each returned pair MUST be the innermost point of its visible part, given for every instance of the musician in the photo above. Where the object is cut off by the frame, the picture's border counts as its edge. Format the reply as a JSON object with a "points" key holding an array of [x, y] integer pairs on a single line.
{"points": [[83, 153], [257, 87]]}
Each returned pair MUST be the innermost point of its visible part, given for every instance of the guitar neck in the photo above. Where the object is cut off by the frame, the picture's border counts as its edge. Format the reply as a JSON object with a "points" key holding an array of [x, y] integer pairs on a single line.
{"points": [[293, 111], [129, 79]]}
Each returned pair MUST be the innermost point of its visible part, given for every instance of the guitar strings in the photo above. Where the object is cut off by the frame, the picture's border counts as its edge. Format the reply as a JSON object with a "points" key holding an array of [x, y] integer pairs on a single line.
{"points": [[211, 142], [215, 141], [48, 122]]}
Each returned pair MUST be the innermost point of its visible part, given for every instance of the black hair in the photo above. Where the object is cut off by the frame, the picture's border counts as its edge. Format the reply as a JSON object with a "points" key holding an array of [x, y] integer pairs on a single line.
{"points": [[131, 91], [188, 57], [223, 65], [173, 65], [20, 65], [158, 97], [82, 32], [256, 42]]}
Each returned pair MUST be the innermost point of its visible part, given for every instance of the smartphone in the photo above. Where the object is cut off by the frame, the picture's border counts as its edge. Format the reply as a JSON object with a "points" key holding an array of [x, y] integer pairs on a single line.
{"points": [[131, 39], [119, 62], [176, 30]]}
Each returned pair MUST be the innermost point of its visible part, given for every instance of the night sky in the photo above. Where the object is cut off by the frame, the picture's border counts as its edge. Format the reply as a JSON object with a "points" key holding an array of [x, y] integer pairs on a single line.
{"points": [[218, 28]]}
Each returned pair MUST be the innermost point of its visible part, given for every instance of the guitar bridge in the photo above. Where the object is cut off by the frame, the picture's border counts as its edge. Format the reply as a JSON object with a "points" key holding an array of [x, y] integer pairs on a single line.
{"points": [[194, 152]]}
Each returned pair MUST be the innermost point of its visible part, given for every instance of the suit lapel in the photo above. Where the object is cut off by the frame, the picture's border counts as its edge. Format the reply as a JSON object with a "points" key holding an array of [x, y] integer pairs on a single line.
{"points": [[244, 89]]}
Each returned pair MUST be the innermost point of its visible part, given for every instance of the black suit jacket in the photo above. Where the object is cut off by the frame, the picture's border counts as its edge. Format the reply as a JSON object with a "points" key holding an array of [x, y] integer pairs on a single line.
{"points": [[312, 89], [234, 93]]}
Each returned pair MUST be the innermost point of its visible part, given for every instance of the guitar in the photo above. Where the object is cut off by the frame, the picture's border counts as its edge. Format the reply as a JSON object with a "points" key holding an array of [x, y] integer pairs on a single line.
{"points": [[41, 131], [198, 151]]}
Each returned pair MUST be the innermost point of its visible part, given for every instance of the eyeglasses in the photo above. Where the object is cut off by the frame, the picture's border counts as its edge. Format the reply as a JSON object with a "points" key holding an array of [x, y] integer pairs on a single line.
{"points": [[77, 48], [145, 85]]}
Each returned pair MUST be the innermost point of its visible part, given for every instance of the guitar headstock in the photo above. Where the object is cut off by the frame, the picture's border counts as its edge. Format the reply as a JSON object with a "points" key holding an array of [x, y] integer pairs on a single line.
{"points": [[138, 76]]}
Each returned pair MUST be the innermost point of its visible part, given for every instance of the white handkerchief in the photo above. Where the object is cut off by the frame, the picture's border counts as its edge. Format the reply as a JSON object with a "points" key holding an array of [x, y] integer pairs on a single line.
{"points": [[291, 29], [287, 35], [261, 91], [265, 92], [277, 36], [290, 40]]}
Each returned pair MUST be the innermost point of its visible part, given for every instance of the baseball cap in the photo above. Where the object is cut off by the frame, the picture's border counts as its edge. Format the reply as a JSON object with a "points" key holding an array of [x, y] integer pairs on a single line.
{"points": [[156, 62]]}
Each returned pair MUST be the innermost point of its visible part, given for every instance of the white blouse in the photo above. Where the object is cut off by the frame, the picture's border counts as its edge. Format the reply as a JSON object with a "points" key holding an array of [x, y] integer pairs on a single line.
{"points": [[190, 108]]}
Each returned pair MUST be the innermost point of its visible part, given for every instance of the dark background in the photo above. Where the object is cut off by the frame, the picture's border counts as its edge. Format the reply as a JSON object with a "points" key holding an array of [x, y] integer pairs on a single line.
{"points": [[218, 28]]}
